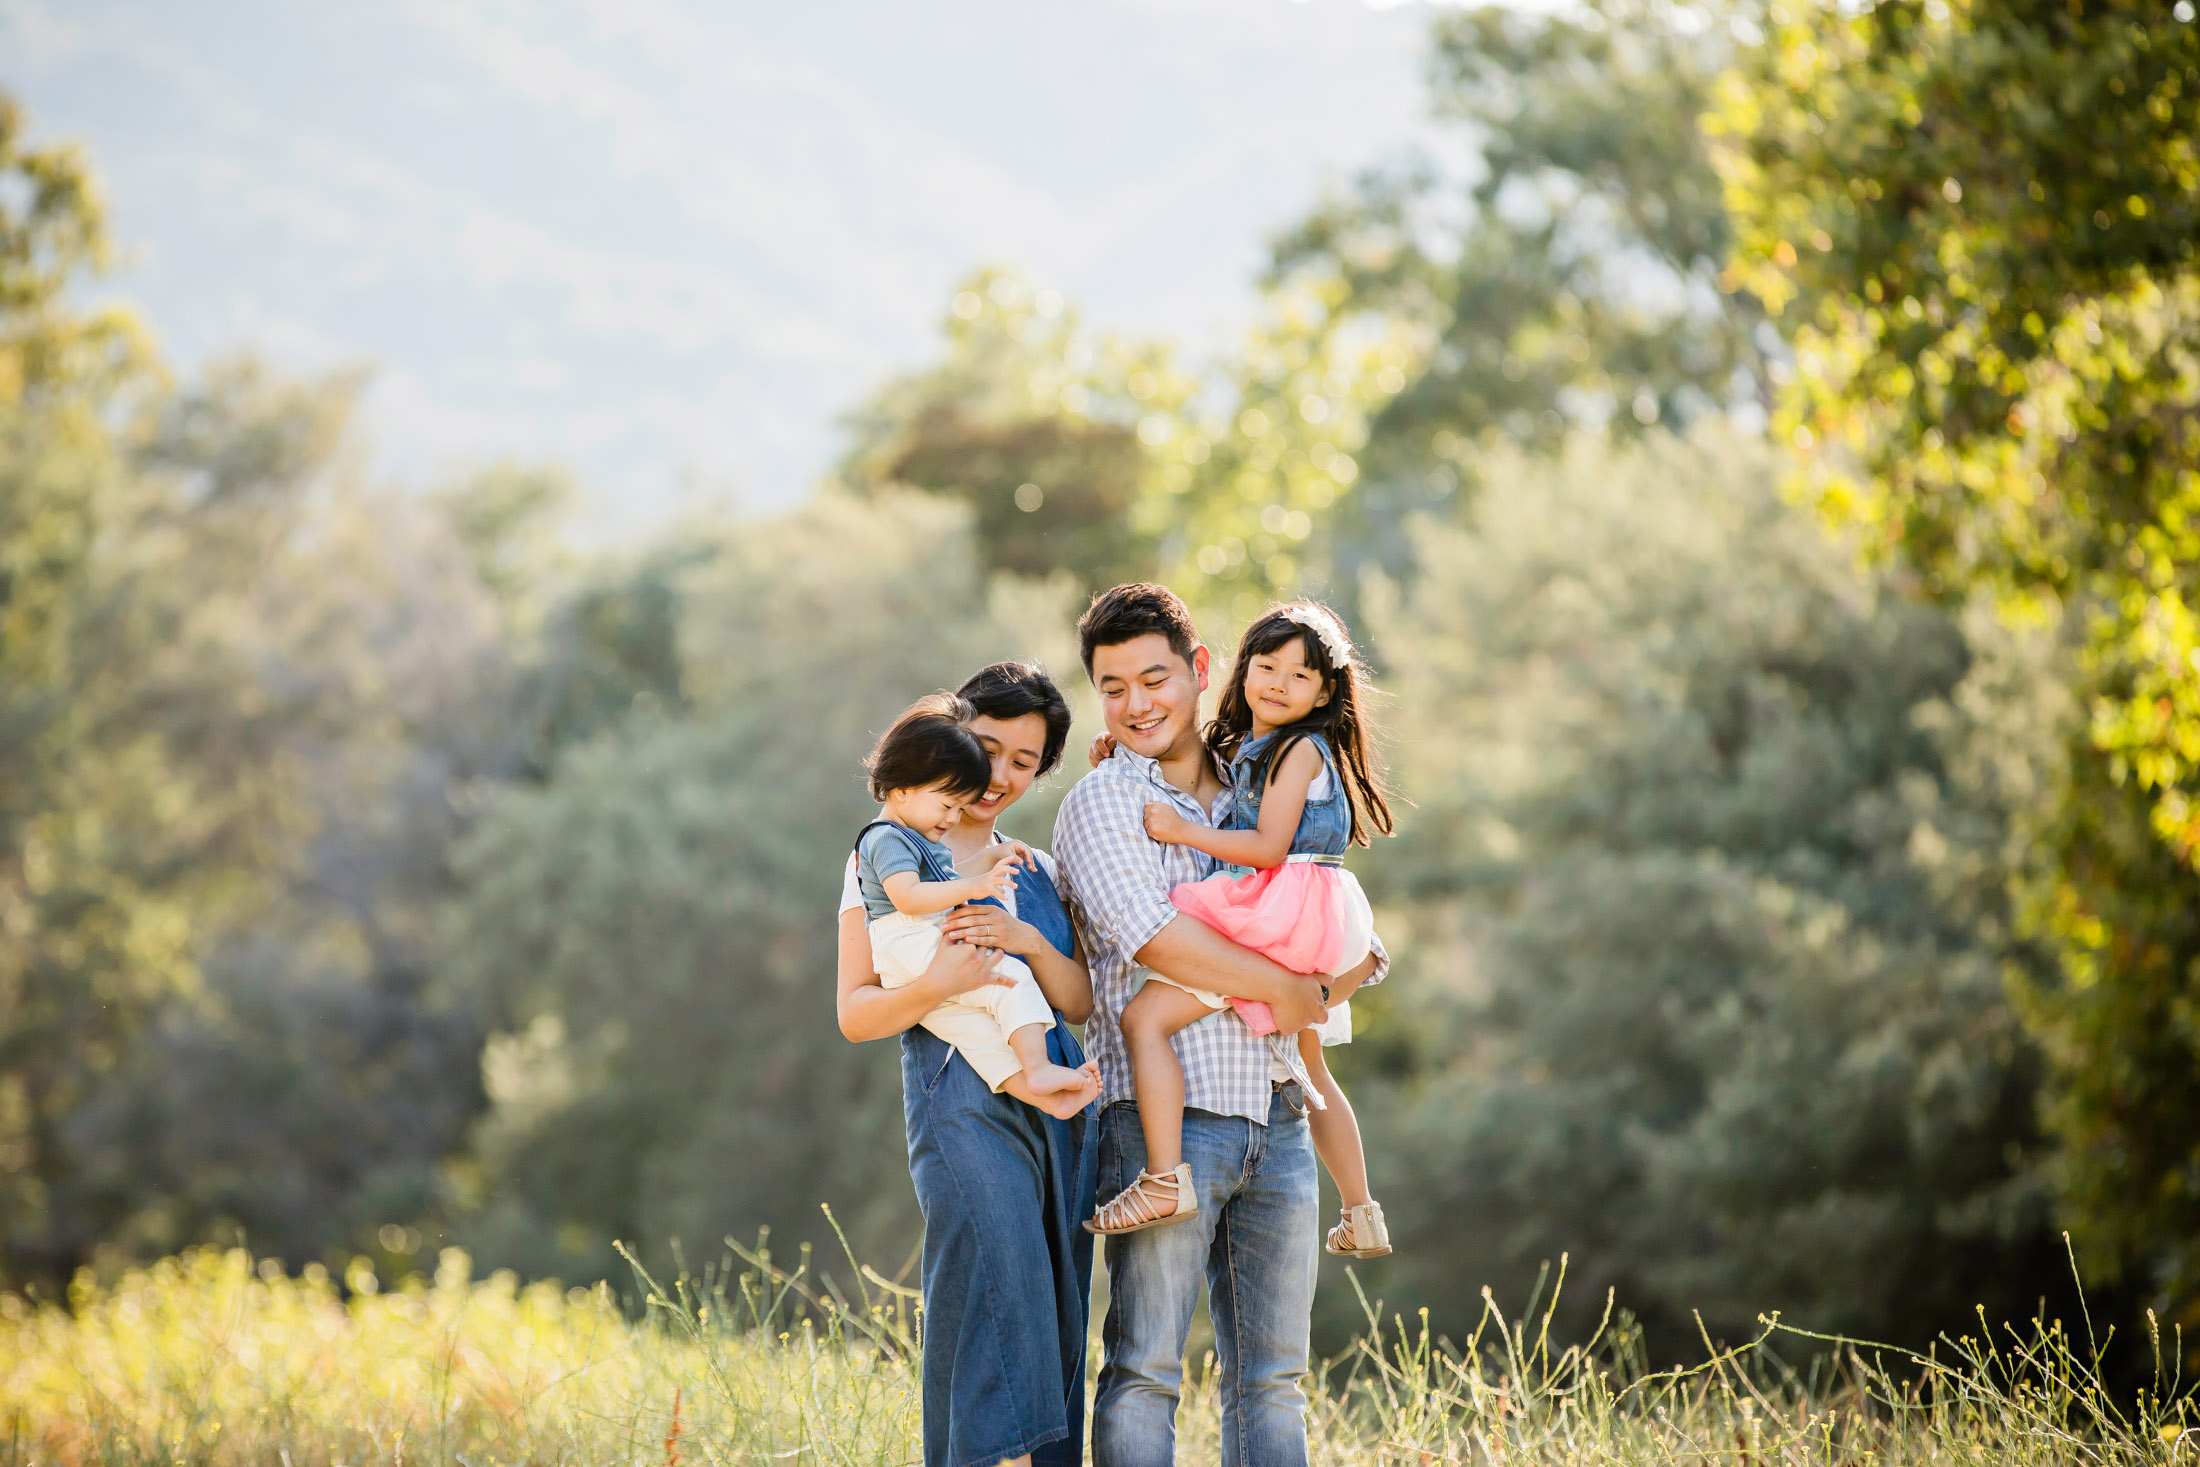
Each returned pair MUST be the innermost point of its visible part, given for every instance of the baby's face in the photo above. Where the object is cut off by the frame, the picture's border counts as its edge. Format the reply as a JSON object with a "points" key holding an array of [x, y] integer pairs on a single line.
{"points": [[931, 812]]}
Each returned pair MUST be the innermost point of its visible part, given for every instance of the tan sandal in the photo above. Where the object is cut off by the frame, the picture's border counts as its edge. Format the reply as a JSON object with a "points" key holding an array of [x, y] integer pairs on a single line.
{"points": [[1135, 1208], [1362, 1234]]}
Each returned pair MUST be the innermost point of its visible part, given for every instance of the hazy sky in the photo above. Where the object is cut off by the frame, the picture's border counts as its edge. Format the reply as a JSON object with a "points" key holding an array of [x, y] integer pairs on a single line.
{"points": [[669, 243]]}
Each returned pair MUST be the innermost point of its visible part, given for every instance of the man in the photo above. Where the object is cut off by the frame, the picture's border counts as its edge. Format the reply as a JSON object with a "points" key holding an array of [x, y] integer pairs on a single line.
{"points": [[1245, 1135]]}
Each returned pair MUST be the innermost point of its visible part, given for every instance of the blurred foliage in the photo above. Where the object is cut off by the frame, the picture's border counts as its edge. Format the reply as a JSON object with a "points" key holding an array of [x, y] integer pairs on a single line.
{"points": [[213, 1360], [1567, 277], [296, 677], [1253, 485], [379, 870], [1042, 429], [1703, 907], [137, 783], [1570, 279], [1977, 223], [53, 230], [654, 924]]}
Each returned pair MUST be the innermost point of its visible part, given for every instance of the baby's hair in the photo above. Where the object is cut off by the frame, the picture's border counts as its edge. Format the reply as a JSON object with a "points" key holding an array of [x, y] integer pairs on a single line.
{"points": [[1344, 719], [928, 745]]}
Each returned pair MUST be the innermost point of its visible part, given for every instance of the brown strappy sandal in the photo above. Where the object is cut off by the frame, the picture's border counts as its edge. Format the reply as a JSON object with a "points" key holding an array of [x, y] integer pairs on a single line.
{"points": [[1133, 1208], [1362, 1234]]}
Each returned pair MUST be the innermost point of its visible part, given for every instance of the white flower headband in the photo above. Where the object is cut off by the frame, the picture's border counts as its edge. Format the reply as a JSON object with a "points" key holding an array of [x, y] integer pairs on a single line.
{"points": [[1324, 626]]}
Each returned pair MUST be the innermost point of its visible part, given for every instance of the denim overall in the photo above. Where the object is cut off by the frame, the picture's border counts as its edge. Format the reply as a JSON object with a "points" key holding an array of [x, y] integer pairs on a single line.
{"points": [[1325, 825], [1003, 1188]]}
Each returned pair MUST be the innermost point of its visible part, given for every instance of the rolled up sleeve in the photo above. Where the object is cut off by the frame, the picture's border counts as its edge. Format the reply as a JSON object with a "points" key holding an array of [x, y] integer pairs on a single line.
{"points": [[1382, 961]]}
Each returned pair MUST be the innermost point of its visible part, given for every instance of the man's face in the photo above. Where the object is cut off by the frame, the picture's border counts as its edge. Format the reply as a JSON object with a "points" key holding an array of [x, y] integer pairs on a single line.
{"points": [[1149, 695]]}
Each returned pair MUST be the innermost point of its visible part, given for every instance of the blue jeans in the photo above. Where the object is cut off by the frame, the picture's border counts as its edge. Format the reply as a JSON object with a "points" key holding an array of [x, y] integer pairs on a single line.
{"points": [[1004, 1189], [1255, 1237]]}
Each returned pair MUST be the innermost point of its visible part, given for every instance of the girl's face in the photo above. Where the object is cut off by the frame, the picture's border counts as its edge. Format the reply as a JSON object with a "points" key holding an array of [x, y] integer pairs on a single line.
{"points": [[930, 811], [1016, 746], [1282, 687]]}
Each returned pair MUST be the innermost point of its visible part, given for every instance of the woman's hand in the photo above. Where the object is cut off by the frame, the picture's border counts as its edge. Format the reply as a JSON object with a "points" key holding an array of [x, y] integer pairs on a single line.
{"points": [[1102, 749], [1165, 824], [993, 927], [959, 967]]}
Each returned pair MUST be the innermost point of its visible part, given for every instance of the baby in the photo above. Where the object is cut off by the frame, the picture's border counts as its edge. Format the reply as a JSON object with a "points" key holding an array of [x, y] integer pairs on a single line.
{"points": [[925, 769]]}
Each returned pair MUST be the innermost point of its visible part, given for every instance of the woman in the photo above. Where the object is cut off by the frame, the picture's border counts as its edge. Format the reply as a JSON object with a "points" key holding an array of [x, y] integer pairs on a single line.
{"points": [[1003, 1187]]}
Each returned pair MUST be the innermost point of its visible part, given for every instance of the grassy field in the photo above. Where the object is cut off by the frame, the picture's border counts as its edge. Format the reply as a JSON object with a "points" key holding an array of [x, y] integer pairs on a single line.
{"points": [[213, 1358]]}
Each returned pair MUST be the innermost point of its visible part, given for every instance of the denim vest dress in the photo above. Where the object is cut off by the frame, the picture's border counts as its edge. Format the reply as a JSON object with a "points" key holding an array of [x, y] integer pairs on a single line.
{"points": [[1325, 825], [1004, 1189]]}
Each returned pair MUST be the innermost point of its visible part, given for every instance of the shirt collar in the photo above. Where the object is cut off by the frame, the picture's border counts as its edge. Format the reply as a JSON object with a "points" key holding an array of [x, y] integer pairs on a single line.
{"points": [[1137, 766]]}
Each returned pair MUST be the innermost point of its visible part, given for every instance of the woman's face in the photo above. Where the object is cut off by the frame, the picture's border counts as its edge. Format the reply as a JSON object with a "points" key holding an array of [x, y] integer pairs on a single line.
{"points": [[1015, 745]]}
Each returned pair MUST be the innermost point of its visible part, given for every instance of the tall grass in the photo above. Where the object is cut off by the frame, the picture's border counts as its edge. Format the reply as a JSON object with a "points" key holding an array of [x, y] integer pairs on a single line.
{"points": [[212, 1358]]}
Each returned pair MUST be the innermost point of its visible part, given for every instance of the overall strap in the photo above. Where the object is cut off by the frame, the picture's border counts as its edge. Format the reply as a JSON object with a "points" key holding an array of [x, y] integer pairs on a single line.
{"points": [[917, 847], [1039, 902]]}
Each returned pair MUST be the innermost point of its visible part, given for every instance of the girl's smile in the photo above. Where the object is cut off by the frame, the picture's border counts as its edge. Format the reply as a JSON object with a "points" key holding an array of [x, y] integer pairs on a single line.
{"points": [[1282, 687]]}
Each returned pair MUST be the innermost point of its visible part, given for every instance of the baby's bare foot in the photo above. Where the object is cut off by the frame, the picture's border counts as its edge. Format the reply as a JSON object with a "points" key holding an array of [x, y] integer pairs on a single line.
{"points": [[1048, 1079], [1063, 1104]]}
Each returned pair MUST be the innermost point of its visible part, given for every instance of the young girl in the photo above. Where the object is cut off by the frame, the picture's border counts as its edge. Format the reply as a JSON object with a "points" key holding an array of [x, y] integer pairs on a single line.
{"points": [[925, 769], [1298, 748]]}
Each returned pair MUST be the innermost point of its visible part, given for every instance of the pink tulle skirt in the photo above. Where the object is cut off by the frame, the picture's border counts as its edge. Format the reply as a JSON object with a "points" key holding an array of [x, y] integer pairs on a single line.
{"points": [[1309, 917]]}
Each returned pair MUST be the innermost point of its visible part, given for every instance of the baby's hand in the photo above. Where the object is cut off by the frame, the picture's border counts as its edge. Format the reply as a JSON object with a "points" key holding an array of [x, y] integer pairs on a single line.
{"points": [[1164, 824], [998, 883], [1102, 750], [1011, 853]]}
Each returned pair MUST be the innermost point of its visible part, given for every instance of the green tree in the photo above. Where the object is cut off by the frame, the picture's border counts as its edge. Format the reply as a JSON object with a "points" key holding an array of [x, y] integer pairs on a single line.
{"points": [[1568, 277], [1702, 917], [307, 1085], [653, 926], [1977, 224], [1043, 430], [138, 794]]}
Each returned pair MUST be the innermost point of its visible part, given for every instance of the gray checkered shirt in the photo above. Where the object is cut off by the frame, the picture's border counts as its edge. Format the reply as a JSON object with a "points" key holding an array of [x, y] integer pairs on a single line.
{"points": [[1117, 879]]}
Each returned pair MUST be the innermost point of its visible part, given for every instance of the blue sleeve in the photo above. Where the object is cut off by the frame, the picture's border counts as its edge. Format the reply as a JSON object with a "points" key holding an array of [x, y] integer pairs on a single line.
{"points": [[882, 852]]}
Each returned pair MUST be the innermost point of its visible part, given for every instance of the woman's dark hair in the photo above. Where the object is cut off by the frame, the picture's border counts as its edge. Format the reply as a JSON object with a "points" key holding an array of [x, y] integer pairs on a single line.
{"points": [[1125, 613], [928, 745], [1012, 689], [1343, 719]]}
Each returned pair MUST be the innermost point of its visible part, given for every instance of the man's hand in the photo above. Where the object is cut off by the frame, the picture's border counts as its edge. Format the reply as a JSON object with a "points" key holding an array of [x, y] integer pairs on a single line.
{"points": [[1300, 1007], [1164, 824]]}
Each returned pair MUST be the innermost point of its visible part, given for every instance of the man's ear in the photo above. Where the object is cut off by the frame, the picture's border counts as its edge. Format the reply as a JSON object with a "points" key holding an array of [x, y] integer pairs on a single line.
{"points": [[1199, 666]]}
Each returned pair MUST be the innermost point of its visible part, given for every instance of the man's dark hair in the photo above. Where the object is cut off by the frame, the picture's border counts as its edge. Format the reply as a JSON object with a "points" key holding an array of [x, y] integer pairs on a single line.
{"points": [[928, 745], [1140, 609], [1012, 689]]}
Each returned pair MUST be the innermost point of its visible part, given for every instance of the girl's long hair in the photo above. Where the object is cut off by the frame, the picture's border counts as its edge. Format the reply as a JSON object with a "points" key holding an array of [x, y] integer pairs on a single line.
{"points": [[1344, 719]]}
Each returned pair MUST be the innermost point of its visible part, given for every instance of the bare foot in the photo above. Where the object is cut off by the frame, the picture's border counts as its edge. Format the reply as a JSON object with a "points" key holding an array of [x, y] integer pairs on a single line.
{"points": [[1063, 1104], [1047, 1079]]}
